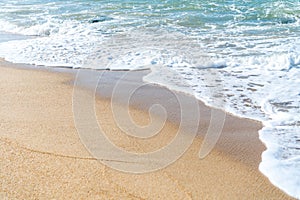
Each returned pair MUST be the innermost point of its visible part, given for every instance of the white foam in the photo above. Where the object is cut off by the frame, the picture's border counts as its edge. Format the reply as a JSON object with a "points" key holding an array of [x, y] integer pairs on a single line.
{"points": [[264, 88]]}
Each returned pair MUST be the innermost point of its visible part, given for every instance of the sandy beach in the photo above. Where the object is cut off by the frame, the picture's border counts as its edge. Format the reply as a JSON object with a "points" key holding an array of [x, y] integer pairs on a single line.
{"points": [[42, 156]]}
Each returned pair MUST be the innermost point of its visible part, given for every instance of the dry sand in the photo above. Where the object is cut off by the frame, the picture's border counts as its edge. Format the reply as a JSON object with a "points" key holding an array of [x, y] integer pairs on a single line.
{"points": [[42, 157]]}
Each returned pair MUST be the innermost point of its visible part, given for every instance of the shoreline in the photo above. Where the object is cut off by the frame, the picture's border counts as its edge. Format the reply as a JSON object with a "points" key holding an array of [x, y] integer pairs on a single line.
{"points": [[230, 170]]}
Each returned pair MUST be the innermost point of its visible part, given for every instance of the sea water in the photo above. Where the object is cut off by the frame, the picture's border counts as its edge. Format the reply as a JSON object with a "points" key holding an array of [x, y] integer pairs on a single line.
{"points": [[241, 56]]}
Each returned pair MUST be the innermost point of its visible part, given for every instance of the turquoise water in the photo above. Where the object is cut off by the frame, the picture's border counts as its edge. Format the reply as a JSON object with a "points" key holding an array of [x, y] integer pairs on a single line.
{"points": [[223, 28], [241, 56]]}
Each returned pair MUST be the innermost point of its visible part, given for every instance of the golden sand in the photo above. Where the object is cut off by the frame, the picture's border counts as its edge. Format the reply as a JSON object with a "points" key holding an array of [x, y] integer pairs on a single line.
{"points": [[42, 157]]}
